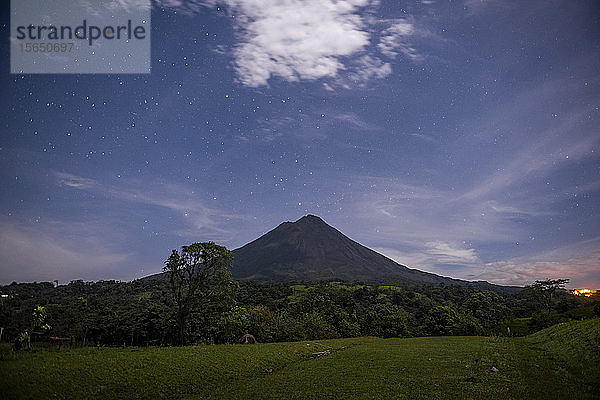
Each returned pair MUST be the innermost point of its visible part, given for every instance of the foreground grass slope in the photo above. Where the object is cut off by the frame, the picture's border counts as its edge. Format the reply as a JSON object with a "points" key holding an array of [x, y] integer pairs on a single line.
{"points": [[575, 346], [540, 366]]}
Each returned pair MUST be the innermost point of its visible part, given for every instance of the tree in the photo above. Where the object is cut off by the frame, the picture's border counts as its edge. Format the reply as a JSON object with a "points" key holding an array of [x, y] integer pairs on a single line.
{"points": [[232, 325], [197, 275], [487, 307], [384, 320], [38, 326], [546, 291], [262, 323]]}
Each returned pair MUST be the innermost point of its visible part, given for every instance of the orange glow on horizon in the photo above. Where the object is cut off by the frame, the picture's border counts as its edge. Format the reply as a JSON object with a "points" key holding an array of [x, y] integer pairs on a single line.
{"points": [[584, 292]]}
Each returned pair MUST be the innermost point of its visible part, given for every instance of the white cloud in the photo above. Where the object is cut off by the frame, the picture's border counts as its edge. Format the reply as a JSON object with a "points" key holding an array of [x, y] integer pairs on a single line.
{"points": [[435, 256], [295, 40], [447, 253], [107, 8], [128, 5], [307, 40], [364, 69], [396, 39]]}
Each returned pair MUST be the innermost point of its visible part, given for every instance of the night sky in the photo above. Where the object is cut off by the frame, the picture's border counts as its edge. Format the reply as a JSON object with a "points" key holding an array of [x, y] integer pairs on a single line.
{"points": [[456, 137]]}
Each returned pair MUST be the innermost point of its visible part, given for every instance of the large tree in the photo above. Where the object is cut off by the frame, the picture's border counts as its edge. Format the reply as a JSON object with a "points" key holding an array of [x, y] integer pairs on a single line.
{"points": [[197, 275], [546, 291]]}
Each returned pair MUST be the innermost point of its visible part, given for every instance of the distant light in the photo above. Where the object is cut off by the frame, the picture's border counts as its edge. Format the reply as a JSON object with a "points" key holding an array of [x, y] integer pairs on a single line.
{"points": [[584, 292]]}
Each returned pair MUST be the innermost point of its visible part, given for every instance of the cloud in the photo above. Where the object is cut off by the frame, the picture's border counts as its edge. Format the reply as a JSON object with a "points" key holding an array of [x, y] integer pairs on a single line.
{"points": [[353, 120], [435, 257], [198, 219], [46, 251], [396, 40], [308, 40], [447, 253], [295, 40], [553, 146], [415, 214], [128, 5], [102, 243], [108, 8], [363, 70], [579, 262], [436, 229], [75, 181]]}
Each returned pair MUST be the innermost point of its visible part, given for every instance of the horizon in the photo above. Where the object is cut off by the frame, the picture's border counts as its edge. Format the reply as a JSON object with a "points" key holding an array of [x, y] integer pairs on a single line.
{"points": [[455, 138], [567, 287]]}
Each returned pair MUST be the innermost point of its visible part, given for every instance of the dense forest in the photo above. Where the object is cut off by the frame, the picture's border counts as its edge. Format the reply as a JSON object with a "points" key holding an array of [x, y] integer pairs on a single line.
{"points": [[143, 312]]}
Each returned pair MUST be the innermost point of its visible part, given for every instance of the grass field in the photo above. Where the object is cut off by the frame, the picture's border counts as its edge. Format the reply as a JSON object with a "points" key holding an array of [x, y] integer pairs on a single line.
{"points": [[557, 363]]}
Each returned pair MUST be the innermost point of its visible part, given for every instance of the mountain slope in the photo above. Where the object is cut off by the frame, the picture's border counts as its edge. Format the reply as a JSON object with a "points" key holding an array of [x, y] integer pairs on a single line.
{"points": [[309, 250]]}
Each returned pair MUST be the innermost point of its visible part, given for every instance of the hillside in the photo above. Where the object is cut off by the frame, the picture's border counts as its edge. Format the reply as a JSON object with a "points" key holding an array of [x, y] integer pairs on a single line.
{"points": [[576, 345]]}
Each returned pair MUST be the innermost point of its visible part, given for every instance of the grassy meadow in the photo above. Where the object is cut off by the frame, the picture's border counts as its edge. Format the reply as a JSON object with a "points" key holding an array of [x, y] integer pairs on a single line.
{"points": [[559, 362]]}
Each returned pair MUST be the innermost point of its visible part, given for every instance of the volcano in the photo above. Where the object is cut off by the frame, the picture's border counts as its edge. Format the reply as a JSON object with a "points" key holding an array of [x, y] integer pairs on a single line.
{"points": [[311, 250]]}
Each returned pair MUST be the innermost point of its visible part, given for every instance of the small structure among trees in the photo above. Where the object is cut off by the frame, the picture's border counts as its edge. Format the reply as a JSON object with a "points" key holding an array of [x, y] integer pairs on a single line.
{"points": [[247, 339]]}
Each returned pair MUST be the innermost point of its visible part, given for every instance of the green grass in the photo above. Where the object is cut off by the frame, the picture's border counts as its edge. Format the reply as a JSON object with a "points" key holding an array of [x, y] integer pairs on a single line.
{"points": [[576, 348], [543, 366]]}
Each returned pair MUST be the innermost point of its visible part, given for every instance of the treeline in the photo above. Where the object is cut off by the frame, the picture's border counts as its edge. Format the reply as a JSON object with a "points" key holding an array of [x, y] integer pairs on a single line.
{"points": [[143, 312]]}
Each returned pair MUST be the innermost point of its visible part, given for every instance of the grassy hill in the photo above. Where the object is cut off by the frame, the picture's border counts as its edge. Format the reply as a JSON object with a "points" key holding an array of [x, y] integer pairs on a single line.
{"points": [[541, 366], [575, 346]]}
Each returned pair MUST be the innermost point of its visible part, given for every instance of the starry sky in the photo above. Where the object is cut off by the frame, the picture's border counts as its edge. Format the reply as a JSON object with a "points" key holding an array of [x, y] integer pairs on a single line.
{"points": [[457, 137]]}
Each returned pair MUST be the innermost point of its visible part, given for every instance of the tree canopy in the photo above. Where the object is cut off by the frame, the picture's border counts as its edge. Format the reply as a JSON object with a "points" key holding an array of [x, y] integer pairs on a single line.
{"points": [[196, 275]]}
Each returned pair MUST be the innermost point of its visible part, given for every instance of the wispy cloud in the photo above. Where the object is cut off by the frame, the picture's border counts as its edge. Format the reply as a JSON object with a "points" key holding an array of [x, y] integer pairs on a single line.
{"points": [[397, 40], [52, 250], [75, 181], [416, 214], [580, 262], [447, 253], [106, 9], [98, 244], [353, 120], [557, 143], [186, 204], [436, 257], [437, 229], [363, 70]]}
